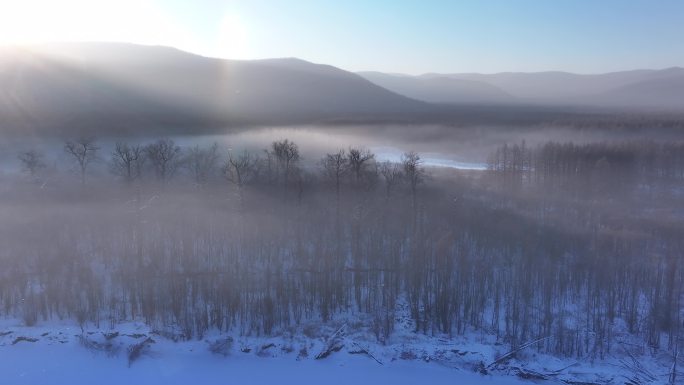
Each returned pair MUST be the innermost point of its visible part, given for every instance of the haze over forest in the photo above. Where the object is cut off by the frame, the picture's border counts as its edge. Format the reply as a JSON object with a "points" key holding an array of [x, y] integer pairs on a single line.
{"points": [[358, 192]]}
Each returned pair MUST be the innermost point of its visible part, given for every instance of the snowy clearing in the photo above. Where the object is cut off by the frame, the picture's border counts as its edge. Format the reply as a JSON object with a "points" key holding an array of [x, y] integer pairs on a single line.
{"points": [[60, 353], [187, 363]]}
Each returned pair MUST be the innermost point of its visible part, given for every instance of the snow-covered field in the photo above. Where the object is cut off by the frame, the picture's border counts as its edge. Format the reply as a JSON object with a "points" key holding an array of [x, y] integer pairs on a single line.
{"points": [[63, 354], [191, 363], [133, 353]]}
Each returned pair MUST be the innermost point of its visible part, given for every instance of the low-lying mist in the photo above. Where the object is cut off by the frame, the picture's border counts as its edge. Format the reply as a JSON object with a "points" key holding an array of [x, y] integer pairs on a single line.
{"points": [[440, 145], [574, 243]]}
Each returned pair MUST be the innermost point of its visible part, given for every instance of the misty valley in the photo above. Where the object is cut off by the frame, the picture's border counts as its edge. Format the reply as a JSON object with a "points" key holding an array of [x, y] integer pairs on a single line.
{"points": [[573, 247], [169, 218]]}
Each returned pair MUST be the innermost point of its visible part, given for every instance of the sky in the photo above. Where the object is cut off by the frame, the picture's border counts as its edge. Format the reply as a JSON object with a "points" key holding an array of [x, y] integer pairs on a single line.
{"points": [[402, 36]]}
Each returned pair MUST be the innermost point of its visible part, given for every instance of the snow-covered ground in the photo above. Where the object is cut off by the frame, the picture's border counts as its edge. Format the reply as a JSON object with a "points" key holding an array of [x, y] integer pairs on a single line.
{"points": [[134, 353], [191, 363], [64, 354]]}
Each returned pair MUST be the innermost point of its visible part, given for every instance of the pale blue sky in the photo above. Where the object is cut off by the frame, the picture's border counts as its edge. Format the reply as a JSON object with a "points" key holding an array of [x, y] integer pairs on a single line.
{"points": [[409, 36]]}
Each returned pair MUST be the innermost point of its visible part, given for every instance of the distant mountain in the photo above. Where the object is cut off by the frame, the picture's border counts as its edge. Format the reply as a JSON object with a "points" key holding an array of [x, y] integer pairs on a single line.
{"points": [[638, 88], [666, 90], [644, 89], [117, 87], [440, 89]]}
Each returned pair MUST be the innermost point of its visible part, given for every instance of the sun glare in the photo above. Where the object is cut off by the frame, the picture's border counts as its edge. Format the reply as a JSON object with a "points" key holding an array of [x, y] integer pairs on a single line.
{"points": [[135, 21], [232, 38], [34, 21]]}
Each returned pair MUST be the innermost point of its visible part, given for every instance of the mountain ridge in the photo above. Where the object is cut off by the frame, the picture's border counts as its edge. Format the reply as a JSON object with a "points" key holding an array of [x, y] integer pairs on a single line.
{"points": [[559, 87], [122, 88], [126, 85]]}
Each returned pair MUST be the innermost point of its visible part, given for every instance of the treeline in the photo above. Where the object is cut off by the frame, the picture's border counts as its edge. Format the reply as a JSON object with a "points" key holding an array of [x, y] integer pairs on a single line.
{"points": [[281, 164], [582, 166], [270, 241]]}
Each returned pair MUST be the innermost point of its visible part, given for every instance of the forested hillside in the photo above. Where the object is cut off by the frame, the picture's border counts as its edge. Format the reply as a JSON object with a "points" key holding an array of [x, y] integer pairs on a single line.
{"points": [[578, 247]]}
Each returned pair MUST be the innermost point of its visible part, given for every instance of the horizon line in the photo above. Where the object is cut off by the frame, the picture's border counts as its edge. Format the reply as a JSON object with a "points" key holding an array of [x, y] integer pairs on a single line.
{"points": [[391, 73]]}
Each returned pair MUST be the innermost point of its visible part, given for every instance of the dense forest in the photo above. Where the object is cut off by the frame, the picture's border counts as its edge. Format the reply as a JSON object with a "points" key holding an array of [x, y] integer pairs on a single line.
{"points": [[577, 246]]}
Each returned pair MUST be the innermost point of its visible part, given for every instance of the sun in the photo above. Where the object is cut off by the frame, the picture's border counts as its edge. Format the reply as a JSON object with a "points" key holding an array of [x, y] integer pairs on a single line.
{"points": [[231, 41]]}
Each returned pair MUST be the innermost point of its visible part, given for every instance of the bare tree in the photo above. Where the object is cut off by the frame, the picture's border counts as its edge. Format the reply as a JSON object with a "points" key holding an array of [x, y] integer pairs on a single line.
{"points": [[413, 173], [202, 162], [164, 156], [84, 151], [286, 155], [335, 166], [127, 161], [359, 159], [32, 161], [238, 168], [391, 174]]}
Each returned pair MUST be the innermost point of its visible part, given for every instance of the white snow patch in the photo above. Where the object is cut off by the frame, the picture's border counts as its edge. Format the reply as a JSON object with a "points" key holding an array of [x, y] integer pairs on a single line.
{"points": [[431, 159]]}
